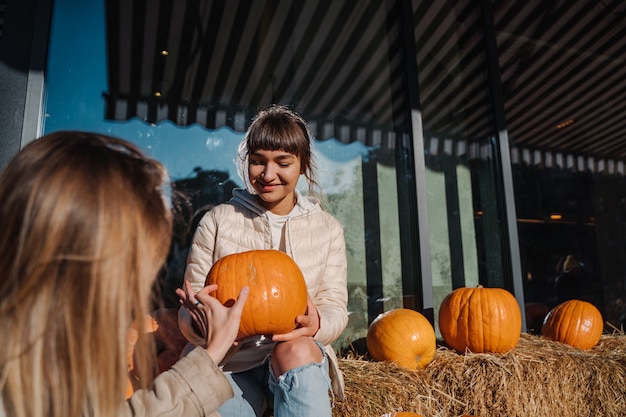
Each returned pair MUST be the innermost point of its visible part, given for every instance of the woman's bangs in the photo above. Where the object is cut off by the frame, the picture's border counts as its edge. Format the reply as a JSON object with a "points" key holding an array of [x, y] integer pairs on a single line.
{"points": [[286, 140]]}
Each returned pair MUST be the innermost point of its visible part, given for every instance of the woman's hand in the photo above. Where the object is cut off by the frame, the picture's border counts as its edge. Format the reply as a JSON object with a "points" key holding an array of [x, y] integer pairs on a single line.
{"points": [[198, 321], [217, 324], [307, 324]]}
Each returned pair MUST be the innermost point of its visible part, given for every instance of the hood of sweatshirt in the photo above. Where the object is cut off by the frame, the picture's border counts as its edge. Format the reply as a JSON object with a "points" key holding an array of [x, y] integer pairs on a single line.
{"points": [[305, 205]]}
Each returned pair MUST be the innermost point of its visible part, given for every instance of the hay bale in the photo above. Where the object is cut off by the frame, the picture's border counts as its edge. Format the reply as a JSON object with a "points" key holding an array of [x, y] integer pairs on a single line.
{"points": [[539, 378]]}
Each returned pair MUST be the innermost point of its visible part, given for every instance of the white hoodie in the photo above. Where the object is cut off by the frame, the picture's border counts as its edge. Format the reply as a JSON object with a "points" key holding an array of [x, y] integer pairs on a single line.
{"points": [[314, 240]]}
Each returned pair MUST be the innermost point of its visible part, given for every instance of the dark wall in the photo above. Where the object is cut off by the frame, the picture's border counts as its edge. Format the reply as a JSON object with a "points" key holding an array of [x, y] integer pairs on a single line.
{"points": [[23, 45]]}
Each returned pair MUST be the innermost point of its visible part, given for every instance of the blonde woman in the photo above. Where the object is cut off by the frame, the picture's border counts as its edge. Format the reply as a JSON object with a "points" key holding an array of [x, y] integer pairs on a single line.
{"points": [[84, 228]]}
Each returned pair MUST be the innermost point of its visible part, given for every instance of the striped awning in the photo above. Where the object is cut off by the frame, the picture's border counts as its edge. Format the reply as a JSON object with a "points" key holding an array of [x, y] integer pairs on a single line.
{"points": [[217, 62], [340, 64]]}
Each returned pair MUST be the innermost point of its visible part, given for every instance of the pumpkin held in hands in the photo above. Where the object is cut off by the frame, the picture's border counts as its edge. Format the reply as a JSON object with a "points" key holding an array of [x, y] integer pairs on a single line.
{"points": [[574, 322], [278, 291], [402, 336], [482, 320]]}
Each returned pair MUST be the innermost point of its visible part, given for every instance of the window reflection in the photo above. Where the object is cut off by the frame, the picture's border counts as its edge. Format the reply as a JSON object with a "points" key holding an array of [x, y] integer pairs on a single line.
{"points": [[342, 65], [338, 64], [464, 209], [563, 85]]}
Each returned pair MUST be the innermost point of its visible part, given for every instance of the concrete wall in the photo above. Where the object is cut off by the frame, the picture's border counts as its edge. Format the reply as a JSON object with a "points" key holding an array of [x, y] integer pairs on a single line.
{"points": [[23, 47]]}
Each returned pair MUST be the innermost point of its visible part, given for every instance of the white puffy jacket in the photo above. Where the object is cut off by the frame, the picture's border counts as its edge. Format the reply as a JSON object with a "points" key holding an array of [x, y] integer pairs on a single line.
{"points": [[314, 239]]}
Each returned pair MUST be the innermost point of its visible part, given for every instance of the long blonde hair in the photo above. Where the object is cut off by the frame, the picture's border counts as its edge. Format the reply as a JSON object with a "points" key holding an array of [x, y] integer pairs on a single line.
{"points": [[85, 228]]}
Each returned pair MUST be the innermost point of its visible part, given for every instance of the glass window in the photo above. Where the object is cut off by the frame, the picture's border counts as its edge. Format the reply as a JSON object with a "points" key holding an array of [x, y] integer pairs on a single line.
{"points": [[183, 79], [564, 83], [464, 204]]}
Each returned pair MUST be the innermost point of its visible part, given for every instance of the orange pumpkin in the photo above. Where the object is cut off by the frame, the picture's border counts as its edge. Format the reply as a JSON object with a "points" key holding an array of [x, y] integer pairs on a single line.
{"points": [[278, 292], [405, 414], [574, 322], [481, 320], [402, 336]]}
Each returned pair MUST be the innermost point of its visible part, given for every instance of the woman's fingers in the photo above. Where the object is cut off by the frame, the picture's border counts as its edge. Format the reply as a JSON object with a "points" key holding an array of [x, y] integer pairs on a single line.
{"points": [[224, 324]]}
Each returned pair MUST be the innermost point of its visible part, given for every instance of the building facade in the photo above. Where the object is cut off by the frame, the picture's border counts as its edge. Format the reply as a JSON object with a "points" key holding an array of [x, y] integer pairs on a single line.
{"points": [[458, 142]]}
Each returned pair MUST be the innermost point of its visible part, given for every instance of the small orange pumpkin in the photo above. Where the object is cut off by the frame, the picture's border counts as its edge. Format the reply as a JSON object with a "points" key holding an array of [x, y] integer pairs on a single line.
{"points": [[405, 414], [574, 322], [481, 320], [402, 336], [278, 292]]}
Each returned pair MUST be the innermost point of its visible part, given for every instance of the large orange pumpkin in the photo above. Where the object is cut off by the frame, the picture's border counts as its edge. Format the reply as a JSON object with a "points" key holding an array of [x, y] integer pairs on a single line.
{"points": [[402, 336], [481, 320], [278, 291], [574, 322]]}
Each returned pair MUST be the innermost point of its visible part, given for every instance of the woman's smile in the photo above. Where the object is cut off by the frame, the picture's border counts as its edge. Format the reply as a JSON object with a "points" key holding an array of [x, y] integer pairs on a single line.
{"points": [[268, 187]]}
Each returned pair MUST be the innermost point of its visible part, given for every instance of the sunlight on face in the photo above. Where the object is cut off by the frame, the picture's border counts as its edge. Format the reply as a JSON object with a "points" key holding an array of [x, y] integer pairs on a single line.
{"points": [[274, 176]]}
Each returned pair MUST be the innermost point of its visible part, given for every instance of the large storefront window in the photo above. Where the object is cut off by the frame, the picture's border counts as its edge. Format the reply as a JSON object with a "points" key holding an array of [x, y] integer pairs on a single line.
{"points": [[184, 79], [563, 81], [403, 107], [464, 202]]}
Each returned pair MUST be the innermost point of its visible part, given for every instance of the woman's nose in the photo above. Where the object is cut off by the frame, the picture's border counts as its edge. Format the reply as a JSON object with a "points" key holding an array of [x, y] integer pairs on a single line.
{"points": [[268, 172]]}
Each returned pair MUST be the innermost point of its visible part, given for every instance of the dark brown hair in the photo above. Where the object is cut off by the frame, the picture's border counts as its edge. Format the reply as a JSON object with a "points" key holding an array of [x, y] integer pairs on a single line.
{"points": [[278, 128]]}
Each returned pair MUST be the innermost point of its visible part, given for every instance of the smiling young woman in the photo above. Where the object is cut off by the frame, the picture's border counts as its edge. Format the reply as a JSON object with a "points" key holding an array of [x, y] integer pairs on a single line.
{"points": [[270, 213]]}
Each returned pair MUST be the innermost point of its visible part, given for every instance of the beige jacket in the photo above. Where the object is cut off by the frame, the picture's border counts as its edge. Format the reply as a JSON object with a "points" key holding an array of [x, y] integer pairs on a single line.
{"points": [[314, 239], [180, 391], [183, 391]]}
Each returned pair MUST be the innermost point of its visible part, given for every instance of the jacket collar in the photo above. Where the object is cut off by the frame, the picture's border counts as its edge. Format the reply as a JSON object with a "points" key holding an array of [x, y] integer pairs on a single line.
{"points": [[304, 204]]}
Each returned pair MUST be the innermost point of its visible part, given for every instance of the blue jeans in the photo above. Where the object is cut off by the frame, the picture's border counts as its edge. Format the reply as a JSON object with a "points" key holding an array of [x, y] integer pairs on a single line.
{"points": [[299, 392]]}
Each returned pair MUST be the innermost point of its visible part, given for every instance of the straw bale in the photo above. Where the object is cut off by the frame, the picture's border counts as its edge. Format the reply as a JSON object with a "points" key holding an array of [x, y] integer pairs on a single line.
{"points": [[539, 378]]}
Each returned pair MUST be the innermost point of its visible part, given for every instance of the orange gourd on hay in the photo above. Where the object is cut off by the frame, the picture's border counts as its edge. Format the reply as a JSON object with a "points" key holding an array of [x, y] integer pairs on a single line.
{"points": [[278, 292], [402, 336], [574, 322], [481, 320]]}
